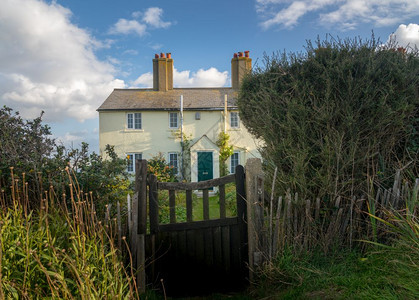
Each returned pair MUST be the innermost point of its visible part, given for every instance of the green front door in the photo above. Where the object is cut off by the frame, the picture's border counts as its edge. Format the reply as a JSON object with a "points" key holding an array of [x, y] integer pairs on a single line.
{"points": [[205, 166]]}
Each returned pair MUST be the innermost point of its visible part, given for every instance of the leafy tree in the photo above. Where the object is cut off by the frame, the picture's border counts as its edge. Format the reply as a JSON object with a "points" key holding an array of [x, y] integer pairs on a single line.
{"points": [[28, 148], [25, 145], [336, 118]]}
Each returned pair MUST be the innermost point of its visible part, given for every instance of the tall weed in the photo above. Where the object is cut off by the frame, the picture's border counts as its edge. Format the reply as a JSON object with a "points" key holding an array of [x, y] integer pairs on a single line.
{"points": [[59, 252]]}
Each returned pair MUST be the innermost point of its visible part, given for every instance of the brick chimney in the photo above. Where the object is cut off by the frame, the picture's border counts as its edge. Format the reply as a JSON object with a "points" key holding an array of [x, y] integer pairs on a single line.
{"points": [[240, 65], [163, 72]]}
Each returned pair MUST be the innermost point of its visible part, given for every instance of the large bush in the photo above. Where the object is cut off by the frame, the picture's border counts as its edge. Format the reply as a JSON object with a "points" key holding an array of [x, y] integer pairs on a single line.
{"points": [[337, 117]]}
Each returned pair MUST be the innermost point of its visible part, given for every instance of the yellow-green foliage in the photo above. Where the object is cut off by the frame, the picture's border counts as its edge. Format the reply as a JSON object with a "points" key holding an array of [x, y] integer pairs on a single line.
{"points": [[226, 151]]}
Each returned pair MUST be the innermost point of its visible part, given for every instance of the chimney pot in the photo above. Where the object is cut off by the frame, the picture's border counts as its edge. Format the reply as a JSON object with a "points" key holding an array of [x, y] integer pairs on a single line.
{"points": [[240, 65], [162, 72], [246, 53], [156, 56], [169, 55]]}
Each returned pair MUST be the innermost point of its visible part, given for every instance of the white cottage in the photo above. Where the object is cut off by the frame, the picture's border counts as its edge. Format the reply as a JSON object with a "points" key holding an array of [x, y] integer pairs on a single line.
{"points": [[141, 123]]}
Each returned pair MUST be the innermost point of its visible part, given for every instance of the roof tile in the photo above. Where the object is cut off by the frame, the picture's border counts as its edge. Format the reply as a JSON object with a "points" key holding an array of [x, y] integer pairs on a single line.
{"points": [[148, 99]]}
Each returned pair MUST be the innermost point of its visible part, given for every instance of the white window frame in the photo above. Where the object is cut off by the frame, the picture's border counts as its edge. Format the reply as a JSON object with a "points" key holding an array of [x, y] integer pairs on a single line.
{"points": [[175, 167], [233, 168], [133, 156], [170, 120], [234, 119], [134, 121]]}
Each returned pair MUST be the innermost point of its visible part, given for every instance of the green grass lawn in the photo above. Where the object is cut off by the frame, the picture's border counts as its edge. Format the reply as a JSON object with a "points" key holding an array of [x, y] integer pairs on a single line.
{"points": [[378, 274], [197, 205]]}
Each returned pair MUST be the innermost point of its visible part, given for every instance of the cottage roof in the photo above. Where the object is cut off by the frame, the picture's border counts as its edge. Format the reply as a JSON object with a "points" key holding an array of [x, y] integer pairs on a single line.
{"points": [[149, 99]]}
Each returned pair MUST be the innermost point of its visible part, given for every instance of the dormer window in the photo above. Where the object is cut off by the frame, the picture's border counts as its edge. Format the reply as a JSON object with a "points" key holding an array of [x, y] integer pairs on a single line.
{"points": [[134, 121]]}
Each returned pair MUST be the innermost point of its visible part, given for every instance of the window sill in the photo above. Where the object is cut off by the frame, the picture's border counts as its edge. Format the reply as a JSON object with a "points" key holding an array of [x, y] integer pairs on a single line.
{"points": [[234, 129], [132, 130]]}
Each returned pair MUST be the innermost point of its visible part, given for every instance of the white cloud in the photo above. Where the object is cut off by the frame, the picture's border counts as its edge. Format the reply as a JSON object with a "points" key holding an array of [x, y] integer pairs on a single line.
{"points": [[125, 26], [406, 36], [145, 80], [347, 14], [131, 52], [70, 137], [151, 17], [202, 78], [47, 63], [155, 46]]}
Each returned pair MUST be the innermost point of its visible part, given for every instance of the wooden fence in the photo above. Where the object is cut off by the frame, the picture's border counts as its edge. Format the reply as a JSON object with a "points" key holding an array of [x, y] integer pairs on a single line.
{"points": [[303, 225], [276, 224]]}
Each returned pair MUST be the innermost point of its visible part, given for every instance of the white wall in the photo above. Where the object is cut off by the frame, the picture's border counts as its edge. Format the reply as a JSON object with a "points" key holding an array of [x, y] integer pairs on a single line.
{"points": [[156, 136]]}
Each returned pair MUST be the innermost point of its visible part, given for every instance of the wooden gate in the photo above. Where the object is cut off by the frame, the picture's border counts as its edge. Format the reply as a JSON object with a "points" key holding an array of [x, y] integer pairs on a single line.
{"points": [[197, 257]]}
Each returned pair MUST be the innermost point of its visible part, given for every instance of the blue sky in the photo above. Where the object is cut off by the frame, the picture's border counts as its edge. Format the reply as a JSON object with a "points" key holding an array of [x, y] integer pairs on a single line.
{"points": [[65, 56]]}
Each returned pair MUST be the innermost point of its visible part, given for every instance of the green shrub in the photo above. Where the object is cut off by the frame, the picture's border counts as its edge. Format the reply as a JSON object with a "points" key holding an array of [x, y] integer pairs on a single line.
{"points": [[158, 166], [336, 118]]}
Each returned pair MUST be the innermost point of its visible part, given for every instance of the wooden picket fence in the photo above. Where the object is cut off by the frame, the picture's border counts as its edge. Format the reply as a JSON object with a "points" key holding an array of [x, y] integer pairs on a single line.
{"points": [[303, 225]]}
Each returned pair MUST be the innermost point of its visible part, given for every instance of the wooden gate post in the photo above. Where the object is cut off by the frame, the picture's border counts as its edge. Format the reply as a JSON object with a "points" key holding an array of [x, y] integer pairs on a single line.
{"points": [[242, 215], [141, 190], [254, 194], [153, 210]]}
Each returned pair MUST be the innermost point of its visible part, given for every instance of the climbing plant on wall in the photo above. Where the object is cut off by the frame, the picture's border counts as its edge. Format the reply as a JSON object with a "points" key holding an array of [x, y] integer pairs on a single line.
{"points": [[225, 151]]}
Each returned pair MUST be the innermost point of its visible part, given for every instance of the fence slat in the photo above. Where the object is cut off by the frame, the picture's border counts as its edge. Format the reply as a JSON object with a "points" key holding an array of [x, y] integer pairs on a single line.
{"points": [[153, 205], [241, 204], [271, 207], [205, 199], [284, 224], [225, 237], [351, 221], [222, 192], [307, 230], [241, 194], [118, 218], [189, 205], [129, 214], [133, 237], [277, 225], [289, 216], [172, 206], [141, 188]]}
